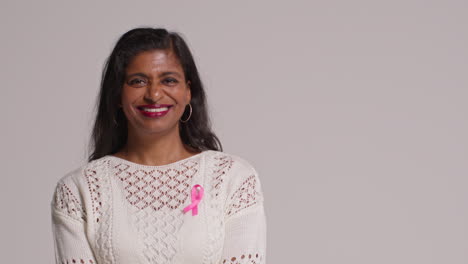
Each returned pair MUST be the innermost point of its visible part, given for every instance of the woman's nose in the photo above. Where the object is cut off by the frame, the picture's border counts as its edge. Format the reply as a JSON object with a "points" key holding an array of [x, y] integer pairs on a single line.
{"points": [[154, 93]]}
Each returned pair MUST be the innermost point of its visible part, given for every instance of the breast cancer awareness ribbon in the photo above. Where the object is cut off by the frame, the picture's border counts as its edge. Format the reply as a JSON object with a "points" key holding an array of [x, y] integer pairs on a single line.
{"points": [[197, 194]]}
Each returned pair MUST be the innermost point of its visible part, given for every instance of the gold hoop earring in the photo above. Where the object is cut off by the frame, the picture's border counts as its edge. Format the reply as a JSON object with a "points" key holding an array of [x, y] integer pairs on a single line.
{"points": [[184, 121]]}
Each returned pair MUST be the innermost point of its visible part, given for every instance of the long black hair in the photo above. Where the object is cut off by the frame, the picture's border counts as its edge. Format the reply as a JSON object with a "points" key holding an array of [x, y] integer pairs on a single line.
{"points": [[109, 133]]}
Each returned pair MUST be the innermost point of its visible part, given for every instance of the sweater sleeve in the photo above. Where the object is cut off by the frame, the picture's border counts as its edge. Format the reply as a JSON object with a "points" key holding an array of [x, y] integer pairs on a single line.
{"points": [[69, 226], [245, 223]]}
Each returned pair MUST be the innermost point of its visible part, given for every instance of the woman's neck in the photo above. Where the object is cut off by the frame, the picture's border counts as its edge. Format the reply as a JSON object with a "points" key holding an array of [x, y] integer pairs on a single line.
{"points": [[155, 151]]}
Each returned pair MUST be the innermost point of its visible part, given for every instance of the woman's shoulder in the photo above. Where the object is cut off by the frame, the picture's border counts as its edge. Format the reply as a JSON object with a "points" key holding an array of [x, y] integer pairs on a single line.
{"points": [[231, 161], [77, 173], [74, 186], [234, 170], [243, 185]]}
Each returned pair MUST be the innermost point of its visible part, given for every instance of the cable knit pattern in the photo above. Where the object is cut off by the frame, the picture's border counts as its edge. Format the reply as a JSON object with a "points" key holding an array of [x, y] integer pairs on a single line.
{"points": [[221, 165], [97, 178], [111, 211]]}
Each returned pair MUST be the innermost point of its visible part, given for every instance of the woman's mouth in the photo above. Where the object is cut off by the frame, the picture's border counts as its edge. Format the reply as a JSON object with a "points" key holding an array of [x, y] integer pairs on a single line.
{"points": [[154, 110]]}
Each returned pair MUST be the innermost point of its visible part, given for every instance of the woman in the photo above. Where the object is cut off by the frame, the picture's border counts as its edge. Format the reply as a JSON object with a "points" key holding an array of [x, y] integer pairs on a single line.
{"points": [[157, 187]]}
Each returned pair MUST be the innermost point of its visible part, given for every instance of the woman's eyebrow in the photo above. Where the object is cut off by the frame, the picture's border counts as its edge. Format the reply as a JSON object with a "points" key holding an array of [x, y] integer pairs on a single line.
{"points": [[169, 73], [137, 74], [160, 75]]}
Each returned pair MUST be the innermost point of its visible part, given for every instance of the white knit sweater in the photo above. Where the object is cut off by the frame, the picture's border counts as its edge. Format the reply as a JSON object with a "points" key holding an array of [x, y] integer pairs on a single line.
{"points": [[111, 210]]}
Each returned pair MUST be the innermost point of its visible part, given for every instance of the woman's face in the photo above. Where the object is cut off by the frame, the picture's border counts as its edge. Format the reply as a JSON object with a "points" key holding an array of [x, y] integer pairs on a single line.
{"points": [[155, 92]]}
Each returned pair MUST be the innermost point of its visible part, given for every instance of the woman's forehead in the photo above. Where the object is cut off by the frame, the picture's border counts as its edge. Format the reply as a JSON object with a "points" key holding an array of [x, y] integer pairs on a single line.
{"points": [[155, 60]]}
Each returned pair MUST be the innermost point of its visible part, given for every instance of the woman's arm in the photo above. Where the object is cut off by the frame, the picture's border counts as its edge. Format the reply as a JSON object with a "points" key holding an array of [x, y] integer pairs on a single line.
{"points": [[245, 239], [68, 226]]}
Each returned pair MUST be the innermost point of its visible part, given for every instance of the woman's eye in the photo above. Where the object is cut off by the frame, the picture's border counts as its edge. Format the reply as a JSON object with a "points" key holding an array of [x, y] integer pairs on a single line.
{"points": [[137, 82], [170, 81]]}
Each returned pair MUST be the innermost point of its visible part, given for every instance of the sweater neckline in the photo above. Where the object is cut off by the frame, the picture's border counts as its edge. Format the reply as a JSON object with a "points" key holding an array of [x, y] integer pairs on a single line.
{"points": [[115, 158]]}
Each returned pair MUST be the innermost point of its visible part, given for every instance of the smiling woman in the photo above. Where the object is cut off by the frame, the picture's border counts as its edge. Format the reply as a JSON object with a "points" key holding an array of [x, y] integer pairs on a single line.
{"points": [[149, 68], [157, 187], [154, 76]]}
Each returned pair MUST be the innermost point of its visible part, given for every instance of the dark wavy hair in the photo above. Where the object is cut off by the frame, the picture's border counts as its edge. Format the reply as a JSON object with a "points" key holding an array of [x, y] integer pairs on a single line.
{"points": [[109, 133]]}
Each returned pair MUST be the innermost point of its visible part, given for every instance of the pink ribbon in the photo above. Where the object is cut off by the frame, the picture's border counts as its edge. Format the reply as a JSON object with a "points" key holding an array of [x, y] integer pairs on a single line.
{"points": [[197, 194]]}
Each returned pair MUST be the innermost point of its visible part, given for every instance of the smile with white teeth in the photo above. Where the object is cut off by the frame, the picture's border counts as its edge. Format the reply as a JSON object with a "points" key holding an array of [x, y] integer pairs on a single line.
{"points": [[155, 110]]}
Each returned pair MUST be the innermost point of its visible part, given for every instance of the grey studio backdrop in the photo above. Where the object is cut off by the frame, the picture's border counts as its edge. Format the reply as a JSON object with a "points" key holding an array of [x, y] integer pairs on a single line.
{"points": [[353, 112]]}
